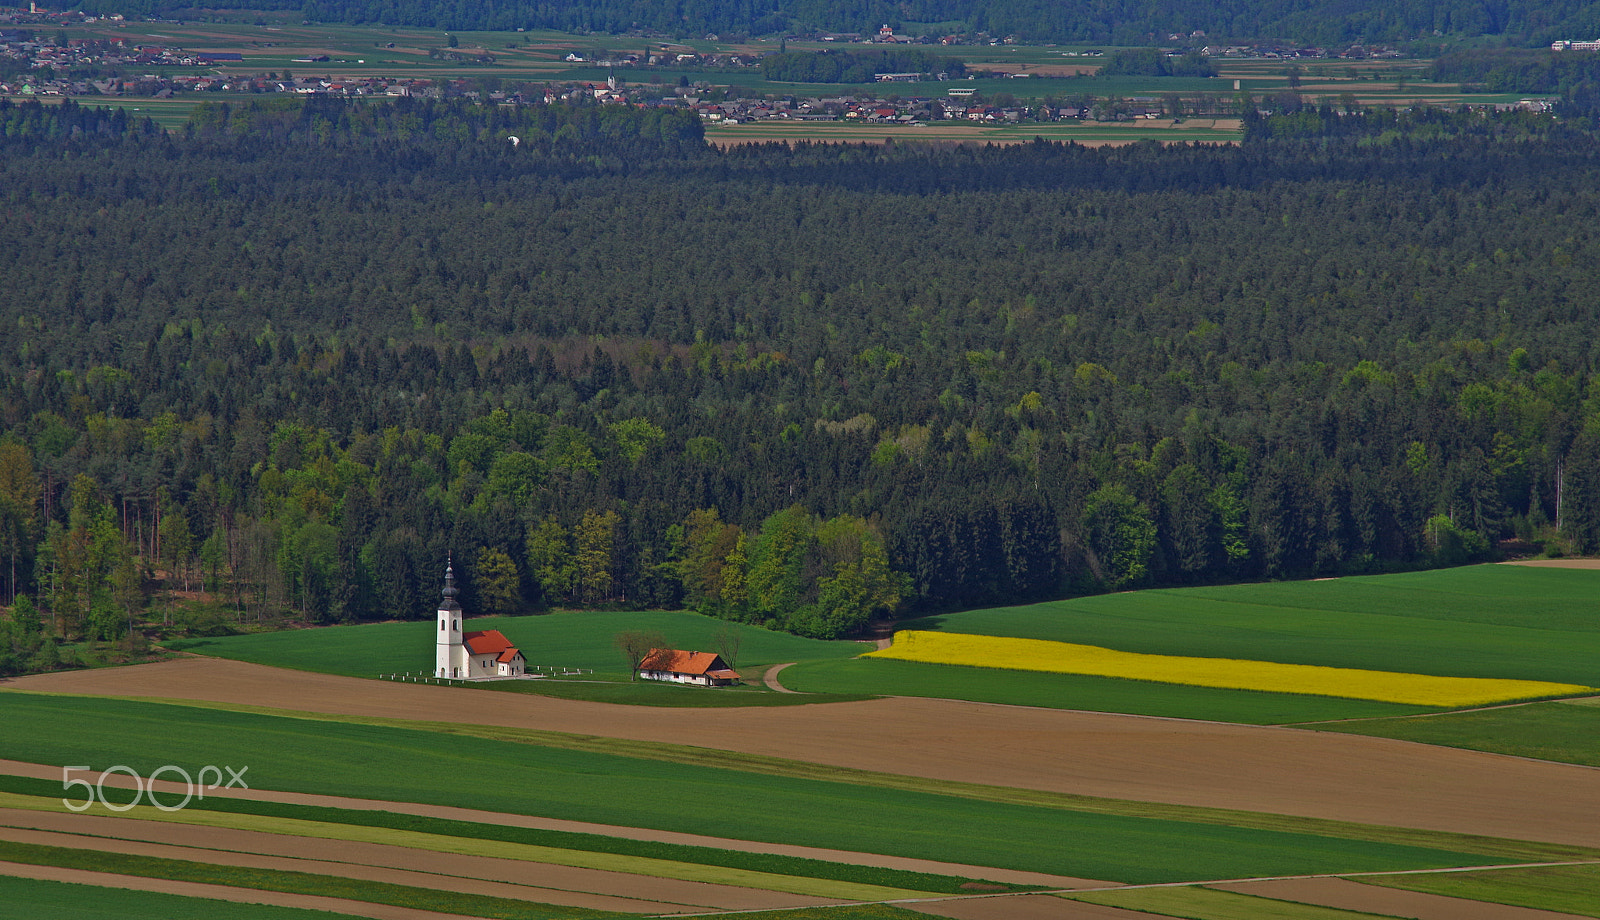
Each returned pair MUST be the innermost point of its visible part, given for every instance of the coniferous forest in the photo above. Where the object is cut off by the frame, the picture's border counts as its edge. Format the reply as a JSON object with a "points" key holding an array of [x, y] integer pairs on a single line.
{"points": [[299, 354]]}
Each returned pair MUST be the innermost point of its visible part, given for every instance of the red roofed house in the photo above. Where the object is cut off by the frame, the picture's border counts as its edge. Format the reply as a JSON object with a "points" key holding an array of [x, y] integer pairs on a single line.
{"points": [[706, 669], [475, 655]]}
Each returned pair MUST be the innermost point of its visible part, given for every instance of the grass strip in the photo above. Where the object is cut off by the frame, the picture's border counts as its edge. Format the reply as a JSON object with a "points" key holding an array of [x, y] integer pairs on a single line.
{"points": [[325, 886], [41, 899], [1568, 732], [1209, 904], [1495, 847], [494, 849], [1565, 889], [767, 863]]}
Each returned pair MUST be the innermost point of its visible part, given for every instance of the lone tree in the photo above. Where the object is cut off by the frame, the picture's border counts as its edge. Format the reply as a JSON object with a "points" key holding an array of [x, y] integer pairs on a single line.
{"points": [[636, 645]]}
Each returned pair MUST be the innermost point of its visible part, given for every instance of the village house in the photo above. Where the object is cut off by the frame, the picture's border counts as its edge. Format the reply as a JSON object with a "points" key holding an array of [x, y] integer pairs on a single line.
{"points": [[704, 669]]}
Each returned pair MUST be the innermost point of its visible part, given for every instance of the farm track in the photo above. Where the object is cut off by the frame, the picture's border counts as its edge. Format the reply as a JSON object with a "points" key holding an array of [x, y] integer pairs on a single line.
{"points": [[1264, 769]]}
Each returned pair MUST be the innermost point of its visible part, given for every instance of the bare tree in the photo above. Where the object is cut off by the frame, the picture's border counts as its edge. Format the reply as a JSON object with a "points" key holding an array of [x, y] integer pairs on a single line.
{"points": [[637, 645], [727, 641]]}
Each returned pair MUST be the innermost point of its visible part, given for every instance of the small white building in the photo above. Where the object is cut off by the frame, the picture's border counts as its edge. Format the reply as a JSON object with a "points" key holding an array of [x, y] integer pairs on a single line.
{"points": [[705, 669], [482, 655]]}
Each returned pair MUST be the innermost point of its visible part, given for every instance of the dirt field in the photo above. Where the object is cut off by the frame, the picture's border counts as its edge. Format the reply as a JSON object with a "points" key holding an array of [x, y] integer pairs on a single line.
{"points": [[1559, 563], [1276, 770]]}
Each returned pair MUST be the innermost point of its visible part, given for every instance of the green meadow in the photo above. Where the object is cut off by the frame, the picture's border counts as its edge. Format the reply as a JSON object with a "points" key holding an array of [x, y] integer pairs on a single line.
{"points": [[579, 640], [408, 765], [1513, 622], [1565, 730]]}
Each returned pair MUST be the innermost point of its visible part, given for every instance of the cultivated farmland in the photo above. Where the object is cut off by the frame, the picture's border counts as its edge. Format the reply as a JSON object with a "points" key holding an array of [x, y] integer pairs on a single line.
{"points": [[365, 790]]}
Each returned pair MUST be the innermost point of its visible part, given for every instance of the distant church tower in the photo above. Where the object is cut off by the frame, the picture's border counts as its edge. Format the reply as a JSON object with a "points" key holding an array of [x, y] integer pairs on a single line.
{"points": [[448, 651]]}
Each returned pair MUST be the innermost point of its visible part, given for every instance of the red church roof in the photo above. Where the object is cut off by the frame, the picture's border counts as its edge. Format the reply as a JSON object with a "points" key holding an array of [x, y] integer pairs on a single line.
{"points": [[490, 642]]}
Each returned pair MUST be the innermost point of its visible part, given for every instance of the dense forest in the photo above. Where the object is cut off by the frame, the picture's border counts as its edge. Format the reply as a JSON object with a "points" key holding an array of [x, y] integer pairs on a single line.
{"points": [[301, 353], [1131, 22]]}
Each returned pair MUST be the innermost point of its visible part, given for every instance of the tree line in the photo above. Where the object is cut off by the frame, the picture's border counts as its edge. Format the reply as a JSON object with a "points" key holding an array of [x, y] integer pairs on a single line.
{"points": [[299, 356], [1123, 22]]}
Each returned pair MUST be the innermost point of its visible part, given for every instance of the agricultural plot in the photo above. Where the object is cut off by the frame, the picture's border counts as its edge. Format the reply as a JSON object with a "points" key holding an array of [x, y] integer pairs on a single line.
{"points": [[889, 677], [38, 899], [1567, 731], [1226, 673], [1508, 622], [382, 763]]}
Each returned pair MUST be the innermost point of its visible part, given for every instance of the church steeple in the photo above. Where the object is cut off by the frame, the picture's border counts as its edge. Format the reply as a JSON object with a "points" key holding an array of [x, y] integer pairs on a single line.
{"points": [[449, 602], [449, 653]]}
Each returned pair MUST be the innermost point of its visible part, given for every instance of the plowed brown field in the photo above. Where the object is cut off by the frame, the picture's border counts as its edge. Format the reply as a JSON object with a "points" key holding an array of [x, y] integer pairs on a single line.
{"points": [[1276, 770]]}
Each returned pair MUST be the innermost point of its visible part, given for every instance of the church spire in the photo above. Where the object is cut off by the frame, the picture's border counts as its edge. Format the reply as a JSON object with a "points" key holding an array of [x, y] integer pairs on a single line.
{"points": [[449, 602]]}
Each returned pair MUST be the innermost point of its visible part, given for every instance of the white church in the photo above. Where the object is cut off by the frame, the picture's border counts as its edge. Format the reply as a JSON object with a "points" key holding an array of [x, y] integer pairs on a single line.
{"points": [[483, 655]]}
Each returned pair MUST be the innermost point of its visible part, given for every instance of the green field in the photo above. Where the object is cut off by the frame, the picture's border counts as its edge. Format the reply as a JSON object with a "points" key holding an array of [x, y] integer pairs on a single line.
{"points": [[392, 764], [1513, 622], [561, 640], [888, 677], [27, 899], [1566, 731]]}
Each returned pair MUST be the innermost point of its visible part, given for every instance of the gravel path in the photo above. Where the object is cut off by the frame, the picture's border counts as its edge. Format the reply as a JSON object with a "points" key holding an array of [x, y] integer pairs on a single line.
{"points": [[771, 678]]}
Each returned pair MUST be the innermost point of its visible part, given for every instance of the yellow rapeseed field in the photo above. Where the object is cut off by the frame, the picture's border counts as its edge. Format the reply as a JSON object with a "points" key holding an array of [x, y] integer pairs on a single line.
{"points": [[1229, 673]]}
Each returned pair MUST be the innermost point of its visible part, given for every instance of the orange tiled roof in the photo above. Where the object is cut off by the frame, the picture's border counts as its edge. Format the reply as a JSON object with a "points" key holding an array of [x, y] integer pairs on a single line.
{"points": [[509, 654], [681, 662], [486, 642]]}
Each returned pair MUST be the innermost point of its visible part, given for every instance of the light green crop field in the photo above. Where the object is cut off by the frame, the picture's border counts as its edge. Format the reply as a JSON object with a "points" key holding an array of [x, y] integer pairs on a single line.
{"points": [[393, 764], [1512, 622], [560, 640], [1566, 730], [1567, 889], [29, 899]]}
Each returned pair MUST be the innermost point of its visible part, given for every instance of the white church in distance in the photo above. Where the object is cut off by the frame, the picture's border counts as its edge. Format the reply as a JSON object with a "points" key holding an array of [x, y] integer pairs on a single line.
{"points": [[482, 655]]}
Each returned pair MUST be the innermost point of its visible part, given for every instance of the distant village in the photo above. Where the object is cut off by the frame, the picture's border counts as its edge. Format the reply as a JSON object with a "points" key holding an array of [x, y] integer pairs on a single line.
{"points": [[46, 63]]}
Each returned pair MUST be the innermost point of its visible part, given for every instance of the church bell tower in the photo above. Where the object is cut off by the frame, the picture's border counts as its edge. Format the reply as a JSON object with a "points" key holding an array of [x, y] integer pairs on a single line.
{"points": [[448, 657]]}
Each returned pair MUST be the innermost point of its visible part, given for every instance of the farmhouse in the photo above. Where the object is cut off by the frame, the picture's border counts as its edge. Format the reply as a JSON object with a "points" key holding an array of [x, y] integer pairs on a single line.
{"points": [[705, 669], [482, 655]]}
